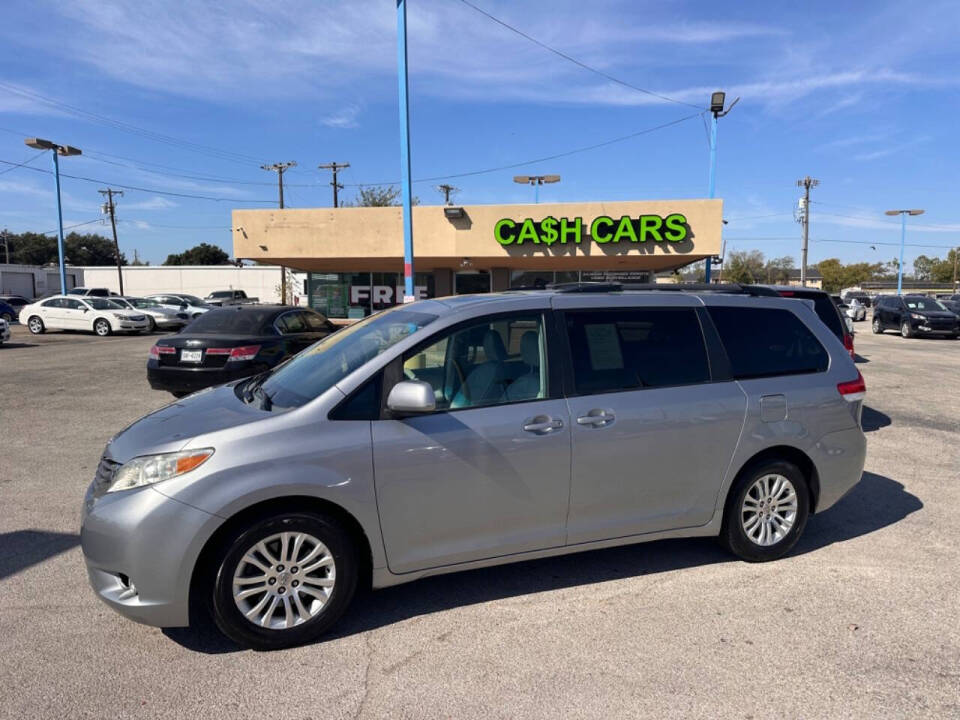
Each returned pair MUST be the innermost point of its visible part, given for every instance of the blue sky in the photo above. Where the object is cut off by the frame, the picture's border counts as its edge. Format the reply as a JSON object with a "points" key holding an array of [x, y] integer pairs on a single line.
{"points": [[190, 98]]}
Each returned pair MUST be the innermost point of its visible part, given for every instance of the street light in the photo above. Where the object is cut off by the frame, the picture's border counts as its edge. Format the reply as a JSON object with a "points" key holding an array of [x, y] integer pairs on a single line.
{"points": [[57, 151], [903, 236], [536, 181], [717, 100]]}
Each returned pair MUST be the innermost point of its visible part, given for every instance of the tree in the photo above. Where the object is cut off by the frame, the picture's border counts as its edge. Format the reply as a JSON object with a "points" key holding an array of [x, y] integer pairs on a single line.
{"points": [[778, 270], [742, 266], [837, 276], [923, 267], [86, 249], [377, 196], [202, 254]]}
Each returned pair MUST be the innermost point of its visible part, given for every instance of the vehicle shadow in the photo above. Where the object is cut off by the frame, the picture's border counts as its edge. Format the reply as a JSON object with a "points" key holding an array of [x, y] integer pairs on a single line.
{"points": [[876, 502], [860, 359], [871, 419], [11, 345], [21, 549]]}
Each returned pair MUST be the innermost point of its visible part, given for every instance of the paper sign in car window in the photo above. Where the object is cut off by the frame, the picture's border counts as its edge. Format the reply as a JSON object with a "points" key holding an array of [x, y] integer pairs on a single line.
{"points": [[604, 344]]}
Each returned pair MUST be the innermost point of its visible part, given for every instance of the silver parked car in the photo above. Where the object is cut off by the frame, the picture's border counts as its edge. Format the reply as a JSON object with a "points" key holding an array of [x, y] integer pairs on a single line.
{"points": [[469, 431], [193, 306], [158, 316]]}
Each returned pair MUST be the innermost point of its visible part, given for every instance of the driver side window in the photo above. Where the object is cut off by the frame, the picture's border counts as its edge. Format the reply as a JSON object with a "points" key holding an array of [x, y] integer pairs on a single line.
{"points": [[490, 362]]}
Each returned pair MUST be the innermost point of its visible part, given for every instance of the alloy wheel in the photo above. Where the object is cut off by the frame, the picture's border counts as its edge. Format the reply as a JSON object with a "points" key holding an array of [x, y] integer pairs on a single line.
{"points": [[284, 580], [876, 326], [769, 509], [101, 328], [35, 325]]}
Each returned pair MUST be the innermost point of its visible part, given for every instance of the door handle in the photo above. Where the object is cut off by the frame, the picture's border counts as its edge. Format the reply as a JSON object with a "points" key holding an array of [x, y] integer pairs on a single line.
{"points": [[597, 418], [542, 424]]}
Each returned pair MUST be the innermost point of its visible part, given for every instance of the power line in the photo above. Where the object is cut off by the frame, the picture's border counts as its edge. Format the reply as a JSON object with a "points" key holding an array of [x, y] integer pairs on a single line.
{"points": [[133, 129], [147, 190], [576, 62], [334, 167], [893, 222], [25, 162], [532, 161], [832, 240]]}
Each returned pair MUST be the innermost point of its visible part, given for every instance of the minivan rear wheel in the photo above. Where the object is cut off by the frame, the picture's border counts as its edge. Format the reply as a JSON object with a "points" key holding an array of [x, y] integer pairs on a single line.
{"points": [[284, 580], [767, 511]]}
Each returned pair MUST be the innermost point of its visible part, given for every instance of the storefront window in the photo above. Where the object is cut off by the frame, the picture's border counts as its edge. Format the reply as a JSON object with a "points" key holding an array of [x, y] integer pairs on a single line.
{"points": [[356, 295]]}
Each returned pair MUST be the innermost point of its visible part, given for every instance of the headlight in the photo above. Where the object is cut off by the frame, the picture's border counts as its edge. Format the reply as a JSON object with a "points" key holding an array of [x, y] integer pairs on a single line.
{"points": [[150, 469], [918, 316], [120, 316]]}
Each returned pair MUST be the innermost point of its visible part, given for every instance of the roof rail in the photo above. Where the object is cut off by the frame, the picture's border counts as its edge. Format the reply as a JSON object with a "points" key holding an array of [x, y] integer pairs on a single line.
{"points": [[586, 287], [602, 287]]}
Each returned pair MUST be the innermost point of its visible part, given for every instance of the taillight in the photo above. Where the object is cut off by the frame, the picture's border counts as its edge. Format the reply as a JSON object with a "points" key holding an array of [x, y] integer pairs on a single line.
{"points": [[787, 293], [157, 350], [245, 352], [848, 344], [853, 390]]}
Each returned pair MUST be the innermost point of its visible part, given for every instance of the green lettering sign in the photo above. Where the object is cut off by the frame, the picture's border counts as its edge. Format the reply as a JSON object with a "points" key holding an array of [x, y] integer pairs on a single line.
{"points": [[600, 229], [603, 229], [502, 237]]}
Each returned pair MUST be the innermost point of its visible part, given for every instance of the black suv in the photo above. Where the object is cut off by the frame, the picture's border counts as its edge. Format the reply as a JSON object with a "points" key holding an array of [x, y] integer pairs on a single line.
{"points": [[915, 315]]}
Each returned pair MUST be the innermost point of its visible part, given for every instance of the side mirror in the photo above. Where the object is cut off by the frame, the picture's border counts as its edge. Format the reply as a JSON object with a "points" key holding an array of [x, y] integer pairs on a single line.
{"points": [[412, 396], [86, 309]]}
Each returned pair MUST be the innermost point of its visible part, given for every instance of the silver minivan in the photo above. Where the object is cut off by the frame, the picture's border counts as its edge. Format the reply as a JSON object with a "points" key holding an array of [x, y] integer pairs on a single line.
{"points": [[469, 431]]}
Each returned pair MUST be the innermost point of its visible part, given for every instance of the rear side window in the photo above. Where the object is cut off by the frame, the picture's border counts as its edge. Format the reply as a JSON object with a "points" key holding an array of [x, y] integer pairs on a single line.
{"points": [[762, 342], [617, 350]]}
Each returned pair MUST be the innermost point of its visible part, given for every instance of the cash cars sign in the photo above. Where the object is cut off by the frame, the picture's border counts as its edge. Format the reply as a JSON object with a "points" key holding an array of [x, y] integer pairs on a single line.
{"points": [[603, 229]]}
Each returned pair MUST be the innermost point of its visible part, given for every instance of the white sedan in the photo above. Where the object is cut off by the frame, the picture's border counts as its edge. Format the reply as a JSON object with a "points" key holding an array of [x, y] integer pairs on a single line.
{"points": [[81, 312], [856, 310]]}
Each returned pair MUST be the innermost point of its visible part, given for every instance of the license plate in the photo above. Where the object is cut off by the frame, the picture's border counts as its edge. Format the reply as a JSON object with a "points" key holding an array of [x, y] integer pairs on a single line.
{"points": [[191, 355]]}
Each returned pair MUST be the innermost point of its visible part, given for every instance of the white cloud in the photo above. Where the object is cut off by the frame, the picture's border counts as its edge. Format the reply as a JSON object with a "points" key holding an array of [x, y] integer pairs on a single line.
{"points": [[154, 203], [345, 117]]}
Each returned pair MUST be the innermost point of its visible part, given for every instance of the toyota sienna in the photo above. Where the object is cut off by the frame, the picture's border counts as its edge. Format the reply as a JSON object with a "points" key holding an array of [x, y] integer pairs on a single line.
{"points": [[471, 431]]}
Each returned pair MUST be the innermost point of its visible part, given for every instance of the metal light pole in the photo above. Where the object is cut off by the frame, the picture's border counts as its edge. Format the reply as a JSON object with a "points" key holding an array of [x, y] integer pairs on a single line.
{"points": [[405, 181], [536, 181], [903, 236], [57, 151], [717, 100]]}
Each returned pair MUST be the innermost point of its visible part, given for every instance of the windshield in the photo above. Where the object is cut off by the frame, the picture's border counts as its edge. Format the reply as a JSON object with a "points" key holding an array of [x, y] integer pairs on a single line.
{"points": [[319, 367], [220, 293], [192, 299], [924, 304], [144, 303], [98, 303]]}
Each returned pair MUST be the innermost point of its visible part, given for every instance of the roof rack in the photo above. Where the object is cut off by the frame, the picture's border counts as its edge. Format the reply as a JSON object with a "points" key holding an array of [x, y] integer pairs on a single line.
{"points": [[725, 288]]}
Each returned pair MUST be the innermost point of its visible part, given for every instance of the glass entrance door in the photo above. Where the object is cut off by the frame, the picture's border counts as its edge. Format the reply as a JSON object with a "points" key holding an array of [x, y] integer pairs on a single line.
{"points": [[471, 282]]}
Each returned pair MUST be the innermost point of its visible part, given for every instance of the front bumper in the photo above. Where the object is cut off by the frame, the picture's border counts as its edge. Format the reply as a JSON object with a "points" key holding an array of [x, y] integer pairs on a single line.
{"points": [[140, 548], [132, 325]]}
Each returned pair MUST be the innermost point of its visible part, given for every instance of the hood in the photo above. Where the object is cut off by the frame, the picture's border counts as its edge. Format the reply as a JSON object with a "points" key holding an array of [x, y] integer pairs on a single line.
{"points": [[938, 314], [170, 428]]}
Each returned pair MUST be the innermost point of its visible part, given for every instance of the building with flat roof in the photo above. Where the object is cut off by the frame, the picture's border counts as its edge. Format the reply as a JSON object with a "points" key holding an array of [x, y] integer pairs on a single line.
{"points": [[354, 256]]}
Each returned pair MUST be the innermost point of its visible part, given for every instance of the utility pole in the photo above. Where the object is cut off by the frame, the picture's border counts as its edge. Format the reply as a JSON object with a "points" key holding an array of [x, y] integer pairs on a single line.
{"points": [[447, 191], [334, 167], [110, 208], [279, 169], [6, 249], [806, 183], [956, 252]]}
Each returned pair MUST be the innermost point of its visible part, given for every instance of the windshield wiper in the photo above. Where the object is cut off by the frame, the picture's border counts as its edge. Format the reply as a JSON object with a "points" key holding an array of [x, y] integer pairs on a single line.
{"points": [[252, 384]]}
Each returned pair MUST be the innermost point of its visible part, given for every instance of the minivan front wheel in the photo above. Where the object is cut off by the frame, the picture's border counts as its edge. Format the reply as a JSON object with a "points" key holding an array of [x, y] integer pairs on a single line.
{"points": [[767, 511], [284, 580], [905, 330], [877, 328]]}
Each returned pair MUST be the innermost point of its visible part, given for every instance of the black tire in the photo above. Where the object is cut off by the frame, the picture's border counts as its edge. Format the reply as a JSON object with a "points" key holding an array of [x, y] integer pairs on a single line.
{"points": [[905, 329], [233, 623], [732, 533], [877, 327], [151, 324], [8, 317], [102, 327], [35, 325], [179, 393]]}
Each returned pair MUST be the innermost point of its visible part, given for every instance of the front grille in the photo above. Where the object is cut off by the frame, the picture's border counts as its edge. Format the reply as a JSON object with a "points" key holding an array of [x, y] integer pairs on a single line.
{"points": [[137, 318], [183, 316], [104, 477]]}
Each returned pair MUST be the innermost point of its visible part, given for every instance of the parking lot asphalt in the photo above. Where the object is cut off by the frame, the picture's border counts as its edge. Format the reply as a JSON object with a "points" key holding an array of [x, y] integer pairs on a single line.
{"points": [[862, 619]]}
